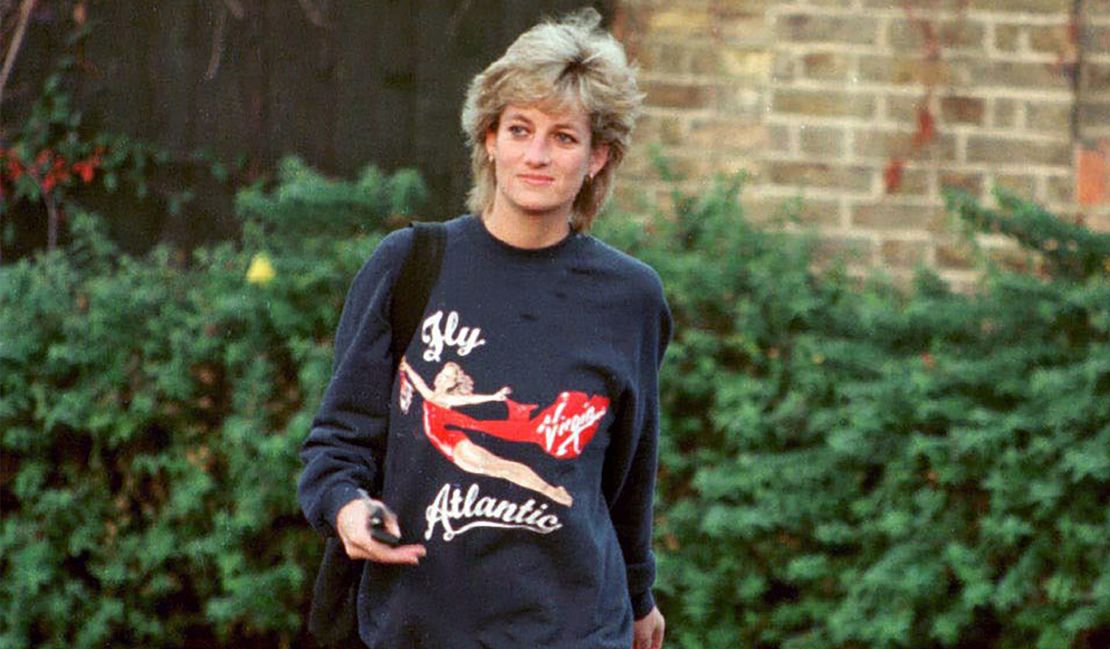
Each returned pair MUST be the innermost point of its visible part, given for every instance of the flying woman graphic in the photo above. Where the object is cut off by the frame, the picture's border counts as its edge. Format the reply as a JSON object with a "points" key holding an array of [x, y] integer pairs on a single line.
{"points": [[452, 388]]}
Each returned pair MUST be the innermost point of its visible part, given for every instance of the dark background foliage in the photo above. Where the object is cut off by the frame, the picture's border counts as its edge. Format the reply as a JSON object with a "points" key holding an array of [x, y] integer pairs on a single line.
{"points": [[245, 82]]}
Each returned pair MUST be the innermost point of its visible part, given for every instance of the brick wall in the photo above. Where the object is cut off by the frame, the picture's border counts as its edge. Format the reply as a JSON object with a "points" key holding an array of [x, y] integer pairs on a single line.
{"points": [[867, 109]]}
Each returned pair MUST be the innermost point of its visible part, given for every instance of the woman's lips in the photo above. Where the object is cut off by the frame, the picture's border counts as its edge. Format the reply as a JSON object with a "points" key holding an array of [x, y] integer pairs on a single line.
{"points": [[535, 179]]}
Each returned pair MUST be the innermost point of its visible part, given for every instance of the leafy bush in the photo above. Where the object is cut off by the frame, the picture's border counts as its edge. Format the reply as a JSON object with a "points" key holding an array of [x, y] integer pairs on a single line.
{"points": [[151, 417], [842, 466], [852, 467]]}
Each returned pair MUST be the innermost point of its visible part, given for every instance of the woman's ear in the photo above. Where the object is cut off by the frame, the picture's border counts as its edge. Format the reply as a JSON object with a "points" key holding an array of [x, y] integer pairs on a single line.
{"points": [[599, 155], [491, 141]]}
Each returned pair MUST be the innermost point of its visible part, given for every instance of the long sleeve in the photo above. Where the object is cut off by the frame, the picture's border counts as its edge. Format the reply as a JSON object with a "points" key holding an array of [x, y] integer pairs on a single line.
{"points": [[629, 479], [346, 445]]}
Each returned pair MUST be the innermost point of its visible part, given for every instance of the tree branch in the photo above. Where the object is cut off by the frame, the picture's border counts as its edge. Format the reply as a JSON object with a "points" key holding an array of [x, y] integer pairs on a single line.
{"points": [[25, 10]]}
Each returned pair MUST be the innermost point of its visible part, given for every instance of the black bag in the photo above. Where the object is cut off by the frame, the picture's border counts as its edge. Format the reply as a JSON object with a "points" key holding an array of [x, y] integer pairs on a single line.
{"points": [[333, 619]]}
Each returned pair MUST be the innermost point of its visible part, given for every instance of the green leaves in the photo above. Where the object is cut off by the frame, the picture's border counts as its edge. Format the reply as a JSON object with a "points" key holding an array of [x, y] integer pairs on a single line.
{"points": [[884, 469], [150, 418]]}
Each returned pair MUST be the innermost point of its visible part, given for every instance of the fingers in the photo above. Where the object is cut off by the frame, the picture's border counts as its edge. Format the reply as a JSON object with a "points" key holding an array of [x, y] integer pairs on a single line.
{"points": [[352, 526], [372, 550]]}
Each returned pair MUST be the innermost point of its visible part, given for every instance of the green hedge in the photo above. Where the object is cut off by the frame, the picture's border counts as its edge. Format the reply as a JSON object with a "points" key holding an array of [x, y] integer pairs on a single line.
{"points": [[846, 466], [842, 466], [151, 414]]}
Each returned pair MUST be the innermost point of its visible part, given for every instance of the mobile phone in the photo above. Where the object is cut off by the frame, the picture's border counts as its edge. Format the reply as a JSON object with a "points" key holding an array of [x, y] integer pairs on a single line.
{"points": [[376, 522]]}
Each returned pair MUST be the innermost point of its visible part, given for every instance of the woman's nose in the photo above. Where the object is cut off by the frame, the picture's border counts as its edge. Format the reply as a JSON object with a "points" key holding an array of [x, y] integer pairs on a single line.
{"points": [[538, 153]]}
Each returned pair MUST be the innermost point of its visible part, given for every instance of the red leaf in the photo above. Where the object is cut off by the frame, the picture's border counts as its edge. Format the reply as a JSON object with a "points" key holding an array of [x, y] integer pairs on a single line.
{"points": [[892, 175], [926, 127]]}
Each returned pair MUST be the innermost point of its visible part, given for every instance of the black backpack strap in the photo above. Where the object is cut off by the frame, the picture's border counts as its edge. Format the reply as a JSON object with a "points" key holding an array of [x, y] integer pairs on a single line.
{"points": [[333, 618], [414, 283]]}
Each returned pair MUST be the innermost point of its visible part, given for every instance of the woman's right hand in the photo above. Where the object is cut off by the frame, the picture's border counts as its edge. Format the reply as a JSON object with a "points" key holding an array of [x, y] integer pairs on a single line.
{"points": [[352, 524]]}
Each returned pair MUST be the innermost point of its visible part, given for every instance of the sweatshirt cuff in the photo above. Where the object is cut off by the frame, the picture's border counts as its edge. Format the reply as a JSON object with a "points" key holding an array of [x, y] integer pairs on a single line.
{"points": [[642, 603], [334, 500]]}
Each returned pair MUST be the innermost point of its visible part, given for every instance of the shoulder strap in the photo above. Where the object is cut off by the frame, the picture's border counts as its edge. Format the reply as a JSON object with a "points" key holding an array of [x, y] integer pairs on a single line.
{"points": [[414, 284]]}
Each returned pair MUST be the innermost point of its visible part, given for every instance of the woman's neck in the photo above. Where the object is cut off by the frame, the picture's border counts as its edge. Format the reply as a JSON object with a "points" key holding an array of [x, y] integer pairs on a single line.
{"points": [[526, 230]]}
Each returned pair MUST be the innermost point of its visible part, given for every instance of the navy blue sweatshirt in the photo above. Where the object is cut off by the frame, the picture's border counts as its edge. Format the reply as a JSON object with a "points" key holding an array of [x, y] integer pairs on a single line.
{"points": [[521, 449]]}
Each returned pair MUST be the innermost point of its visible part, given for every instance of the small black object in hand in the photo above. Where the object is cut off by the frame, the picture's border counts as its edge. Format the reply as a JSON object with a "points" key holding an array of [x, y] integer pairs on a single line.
{"points": [[377, 527], [376, 522]]}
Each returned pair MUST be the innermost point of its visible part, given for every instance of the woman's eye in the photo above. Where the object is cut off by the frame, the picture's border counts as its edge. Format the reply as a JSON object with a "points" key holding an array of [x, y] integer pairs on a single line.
{"points": [[565, 138], [517, 130]]}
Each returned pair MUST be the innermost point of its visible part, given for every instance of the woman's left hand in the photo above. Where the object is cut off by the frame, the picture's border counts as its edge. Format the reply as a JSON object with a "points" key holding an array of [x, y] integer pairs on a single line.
{"points": [[647, 632]]}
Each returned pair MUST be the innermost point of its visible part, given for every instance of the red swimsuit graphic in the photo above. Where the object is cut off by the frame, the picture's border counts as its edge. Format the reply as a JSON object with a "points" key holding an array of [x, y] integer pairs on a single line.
{"points": [[562, 429]]}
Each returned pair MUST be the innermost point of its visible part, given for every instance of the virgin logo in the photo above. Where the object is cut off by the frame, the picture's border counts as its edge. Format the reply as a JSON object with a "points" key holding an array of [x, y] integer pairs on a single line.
{"points": [[571, 424]]}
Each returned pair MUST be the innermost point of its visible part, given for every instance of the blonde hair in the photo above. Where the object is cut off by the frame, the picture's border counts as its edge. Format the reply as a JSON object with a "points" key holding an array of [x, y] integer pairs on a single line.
{"points": [[557, 64], [462, 383]]}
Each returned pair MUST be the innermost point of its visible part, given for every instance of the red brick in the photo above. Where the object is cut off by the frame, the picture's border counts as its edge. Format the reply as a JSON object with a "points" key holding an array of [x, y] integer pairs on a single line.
{"points": [[1050, 117], [744, 63], [1093, 117], [778, 138], [810, 212], [905, 70], [1098, 8], [784, 68], [883, 145], [1098, 77], [662, 57], [1006, 112], [662, 129], [962, 110], [849, 249], [1007, 37], [1097, 38], [1061, 189], [808, 28], [969, 182], [1022, 6], [808, 174], [913, 182], [984, 148], [890, 215], [727, 134], [734, 8], [903, 254], [679, 21], [1052, 39], [678, 95], [903, 109], [1003, 74], [1092, 177], [822, 142], [823, 104], [827, 66], [964, 34], [1023, 185]]}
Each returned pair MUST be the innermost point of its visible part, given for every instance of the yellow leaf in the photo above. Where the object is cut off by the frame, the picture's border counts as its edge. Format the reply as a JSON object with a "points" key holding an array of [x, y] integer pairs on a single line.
{"points": [[261, 271]]}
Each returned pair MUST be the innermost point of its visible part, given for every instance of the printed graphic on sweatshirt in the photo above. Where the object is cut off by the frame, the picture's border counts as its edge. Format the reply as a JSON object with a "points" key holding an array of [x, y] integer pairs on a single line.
{"points": [[459, 512], [562, 430]]}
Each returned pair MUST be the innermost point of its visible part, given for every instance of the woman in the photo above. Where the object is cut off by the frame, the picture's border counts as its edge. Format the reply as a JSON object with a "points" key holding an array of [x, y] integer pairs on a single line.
{"points": [[525, 298]]}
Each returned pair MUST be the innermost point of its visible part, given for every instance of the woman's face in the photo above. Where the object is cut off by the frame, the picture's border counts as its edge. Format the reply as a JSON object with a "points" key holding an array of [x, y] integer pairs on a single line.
{"points": [[541, 159], [446, 378]]}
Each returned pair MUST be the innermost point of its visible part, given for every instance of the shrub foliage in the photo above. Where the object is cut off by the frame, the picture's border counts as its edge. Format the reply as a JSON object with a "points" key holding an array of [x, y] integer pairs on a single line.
{"points": [[842, 465], [151, 416], [850, 466]]}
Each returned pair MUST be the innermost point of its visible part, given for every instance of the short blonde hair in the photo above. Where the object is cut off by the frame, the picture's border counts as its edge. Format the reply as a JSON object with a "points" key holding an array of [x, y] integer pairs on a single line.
{"points": [[568, 62]]}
